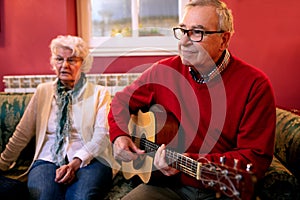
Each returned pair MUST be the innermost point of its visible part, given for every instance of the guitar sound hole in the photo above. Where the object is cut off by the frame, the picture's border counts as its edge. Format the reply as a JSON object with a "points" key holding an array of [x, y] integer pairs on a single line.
{"points": [[138, 163]]}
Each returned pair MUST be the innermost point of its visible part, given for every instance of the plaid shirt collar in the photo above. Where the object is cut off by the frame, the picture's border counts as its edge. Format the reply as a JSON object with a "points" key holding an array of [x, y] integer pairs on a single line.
{"points": [[217, 70]]}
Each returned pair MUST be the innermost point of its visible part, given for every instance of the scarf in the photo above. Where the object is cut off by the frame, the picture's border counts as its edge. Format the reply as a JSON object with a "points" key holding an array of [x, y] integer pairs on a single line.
{"points": [[64, 120]]}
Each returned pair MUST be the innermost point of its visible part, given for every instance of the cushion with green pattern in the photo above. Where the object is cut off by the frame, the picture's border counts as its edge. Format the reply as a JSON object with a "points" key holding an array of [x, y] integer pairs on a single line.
{"points": [[278, 183], [287, 145], [12, 107]]}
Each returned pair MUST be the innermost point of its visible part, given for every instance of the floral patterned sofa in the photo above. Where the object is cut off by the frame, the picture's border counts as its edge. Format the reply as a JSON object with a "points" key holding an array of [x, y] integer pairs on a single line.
{"points": [[281, 180]]}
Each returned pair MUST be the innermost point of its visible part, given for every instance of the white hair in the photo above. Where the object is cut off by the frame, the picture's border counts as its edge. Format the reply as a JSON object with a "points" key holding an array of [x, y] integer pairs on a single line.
{"points": [[78, 47], [224, 14]]}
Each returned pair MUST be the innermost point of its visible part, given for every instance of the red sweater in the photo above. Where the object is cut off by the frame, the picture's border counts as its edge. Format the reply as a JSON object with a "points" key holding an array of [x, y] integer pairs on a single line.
{"points": [[233, 115]]}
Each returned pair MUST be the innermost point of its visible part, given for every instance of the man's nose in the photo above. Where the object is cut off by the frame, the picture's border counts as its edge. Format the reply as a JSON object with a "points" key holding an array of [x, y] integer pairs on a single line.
{"points": [[185, 39]]}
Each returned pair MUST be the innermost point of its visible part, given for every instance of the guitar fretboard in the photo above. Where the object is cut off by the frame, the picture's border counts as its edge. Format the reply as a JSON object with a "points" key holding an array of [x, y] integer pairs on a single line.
{"points": [[176, 160]]}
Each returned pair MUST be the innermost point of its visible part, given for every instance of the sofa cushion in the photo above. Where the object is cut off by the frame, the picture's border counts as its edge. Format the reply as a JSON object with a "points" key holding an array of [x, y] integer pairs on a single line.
{"points": [[12, 107], [278, 183], [287, 140]]}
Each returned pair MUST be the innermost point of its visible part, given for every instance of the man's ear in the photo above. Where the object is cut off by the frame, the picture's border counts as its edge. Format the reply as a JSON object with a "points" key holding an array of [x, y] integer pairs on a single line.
{"points": [[225, 40]]}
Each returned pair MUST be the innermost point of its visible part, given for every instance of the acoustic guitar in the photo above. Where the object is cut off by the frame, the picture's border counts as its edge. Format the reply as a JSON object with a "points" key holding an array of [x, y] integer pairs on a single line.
{"points": [[144, 128]]}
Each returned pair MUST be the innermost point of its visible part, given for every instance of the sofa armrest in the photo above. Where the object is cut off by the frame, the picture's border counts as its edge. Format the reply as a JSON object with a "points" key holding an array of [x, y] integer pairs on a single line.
{"points": [[278, 183], [287, 140]]}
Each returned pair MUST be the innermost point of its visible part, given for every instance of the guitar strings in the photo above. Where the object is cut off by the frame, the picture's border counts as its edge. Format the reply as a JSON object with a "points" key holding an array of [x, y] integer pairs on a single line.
{"points": [[190, 166], [174, 157]]}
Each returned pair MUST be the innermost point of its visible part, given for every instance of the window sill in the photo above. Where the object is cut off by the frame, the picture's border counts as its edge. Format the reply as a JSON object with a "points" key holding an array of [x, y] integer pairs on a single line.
{"points": [[141, 46]]}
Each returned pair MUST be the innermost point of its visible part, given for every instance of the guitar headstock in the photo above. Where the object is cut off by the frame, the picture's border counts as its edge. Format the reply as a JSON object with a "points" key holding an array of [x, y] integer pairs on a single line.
{"points": [[230, 181]]}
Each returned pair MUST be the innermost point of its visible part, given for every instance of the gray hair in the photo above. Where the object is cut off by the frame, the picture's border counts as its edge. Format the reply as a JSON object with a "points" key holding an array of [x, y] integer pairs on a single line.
{"points": [[223, 12], [78, 47]]}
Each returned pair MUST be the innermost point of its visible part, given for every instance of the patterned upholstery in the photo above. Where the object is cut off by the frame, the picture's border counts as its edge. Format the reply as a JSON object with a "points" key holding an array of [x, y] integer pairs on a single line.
{"points": [[278, 183], [11, 110], [282, 179], [287, 146], [12, 107]]}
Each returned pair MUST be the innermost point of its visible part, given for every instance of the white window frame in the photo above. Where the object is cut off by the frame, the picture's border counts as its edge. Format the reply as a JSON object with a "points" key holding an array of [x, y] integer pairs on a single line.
{"points": [[127, 46]]}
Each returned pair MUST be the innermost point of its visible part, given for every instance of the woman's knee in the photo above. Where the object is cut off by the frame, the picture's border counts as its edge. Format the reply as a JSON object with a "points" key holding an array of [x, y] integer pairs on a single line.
{"points": [[41, 184], [93, 182]]}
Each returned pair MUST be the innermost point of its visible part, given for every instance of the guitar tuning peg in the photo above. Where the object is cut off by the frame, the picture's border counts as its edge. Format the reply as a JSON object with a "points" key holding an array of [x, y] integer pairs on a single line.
{"points": [[236, 193], [238, 177], [235, 163], [249, 167], [222, 160], [211, 183], [223, 188]]}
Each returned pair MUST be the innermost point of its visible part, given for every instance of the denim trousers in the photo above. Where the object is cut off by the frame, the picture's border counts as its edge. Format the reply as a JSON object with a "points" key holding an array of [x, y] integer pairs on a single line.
{"points": [[92, 182]]}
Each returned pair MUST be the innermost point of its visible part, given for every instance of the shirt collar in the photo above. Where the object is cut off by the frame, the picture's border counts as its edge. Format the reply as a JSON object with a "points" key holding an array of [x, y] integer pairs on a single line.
{"points": [[216, 70]]}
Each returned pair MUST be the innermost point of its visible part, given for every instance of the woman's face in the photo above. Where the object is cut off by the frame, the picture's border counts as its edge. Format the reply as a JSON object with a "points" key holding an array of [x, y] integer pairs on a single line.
{"points": [[67, 67]]}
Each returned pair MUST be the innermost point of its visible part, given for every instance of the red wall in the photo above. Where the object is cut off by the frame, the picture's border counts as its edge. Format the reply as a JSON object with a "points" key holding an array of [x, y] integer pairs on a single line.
{"points": [[267, 36], [27, 27]]}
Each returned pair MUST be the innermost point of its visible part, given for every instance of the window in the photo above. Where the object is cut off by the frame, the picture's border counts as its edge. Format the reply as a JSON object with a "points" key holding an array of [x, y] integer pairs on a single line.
{"points": [[129, 27]]}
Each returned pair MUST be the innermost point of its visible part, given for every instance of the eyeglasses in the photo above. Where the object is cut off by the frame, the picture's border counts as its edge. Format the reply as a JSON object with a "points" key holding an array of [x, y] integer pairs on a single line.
{"points": [[194, 35], [70, 61]]}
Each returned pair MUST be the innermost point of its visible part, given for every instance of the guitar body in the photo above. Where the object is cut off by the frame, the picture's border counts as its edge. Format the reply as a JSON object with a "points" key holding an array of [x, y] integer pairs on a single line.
{"points": [[155, 127], [140, 126]]}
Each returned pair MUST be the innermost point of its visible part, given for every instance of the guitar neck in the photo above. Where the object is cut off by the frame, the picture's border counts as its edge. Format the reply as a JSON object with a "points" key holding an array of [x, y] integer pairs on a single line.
{"points": [[176, 160]]}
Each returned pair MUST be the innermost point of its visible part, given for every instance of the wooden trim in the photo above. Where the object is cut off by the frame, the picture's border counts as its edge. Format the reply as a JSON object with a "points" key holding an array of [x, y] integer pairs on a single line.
{"points": [[84, 19]]}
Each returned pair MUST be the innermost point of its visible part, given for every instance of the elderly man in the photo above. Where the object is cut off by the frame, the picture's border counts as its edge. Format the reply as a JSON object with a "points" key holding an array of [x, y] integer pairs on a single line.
{"points": [[224, 107]]}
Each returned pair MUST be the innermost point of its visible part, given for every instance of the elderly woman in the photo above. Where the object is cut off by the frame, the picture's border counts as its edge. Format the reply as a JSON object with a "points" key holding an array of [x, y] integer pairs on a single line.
{"points": [[68, 117]]}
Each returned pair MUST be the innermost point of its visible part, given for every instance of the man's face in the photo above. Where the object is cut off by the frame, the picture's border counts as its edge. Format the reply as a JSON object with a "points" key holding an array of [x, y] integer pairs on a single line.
{"points": [[202, 55]]}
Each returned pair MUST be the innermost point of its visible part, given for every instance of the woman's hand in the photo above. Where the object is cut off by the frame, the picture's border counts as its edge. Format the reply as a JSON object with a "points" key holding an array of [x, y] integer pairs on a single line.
{"points": [[67, 173]]}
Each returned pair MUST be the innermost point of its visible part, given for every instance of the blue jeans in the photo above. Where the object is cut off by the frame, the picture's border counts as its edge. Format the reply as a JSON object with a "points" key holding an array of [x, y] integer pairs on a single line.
{"points": [[93, 182]]}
